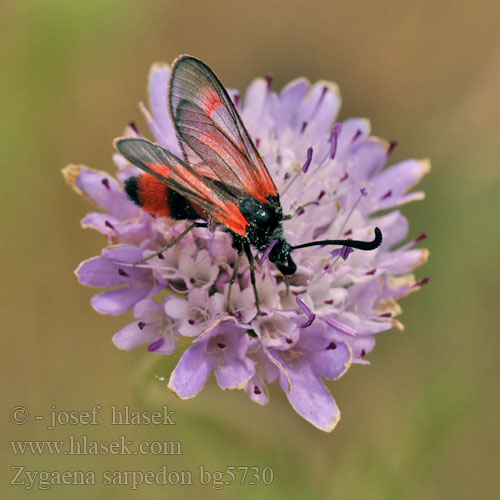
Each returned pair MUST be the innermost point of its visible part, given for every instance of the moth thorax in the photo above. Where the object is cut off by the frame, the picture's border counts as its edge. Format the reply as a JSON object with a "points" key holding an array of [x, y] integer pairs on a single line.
{"points": [[261, 215]]}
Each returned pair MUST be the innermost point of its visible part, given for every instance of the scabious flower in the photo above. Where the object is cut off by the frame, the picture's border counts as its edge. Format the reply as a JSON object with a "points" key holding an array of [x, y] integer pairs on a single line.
{"points": [[311, 328]]}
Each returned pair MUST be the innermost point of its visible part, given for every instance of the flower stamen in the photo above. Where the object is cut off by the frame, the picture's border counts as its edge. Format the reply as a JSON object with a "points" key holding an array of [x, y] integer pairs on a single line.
{"points": [[304, 169]]}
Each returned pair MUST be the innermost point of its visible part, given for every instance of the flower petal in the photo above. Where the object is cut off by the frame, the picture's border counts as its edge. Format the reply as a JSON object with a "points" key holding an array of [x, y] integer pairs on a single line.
{"points": [[333, 361], [257, 390], [320, 106], [276, 330], [255, 98], [126, 254], [353, 129], [289, 100], [169, 345], [130, 337], [365, 156], [234, 373], [311, 399], [147, 309], [403, 262], [118, 301], [389, 187], [100, 188], [191, 373], [103, 223], [176, 307], [100, 272], [158, 83]]}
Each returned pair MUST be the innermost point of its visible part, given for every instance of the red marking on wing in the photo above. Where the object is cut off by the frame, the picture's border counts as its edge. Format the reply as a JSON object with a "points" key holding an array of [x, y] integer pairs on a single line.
{"points": [[210, 101], [239, 163], [175, 174], [224, 210]]}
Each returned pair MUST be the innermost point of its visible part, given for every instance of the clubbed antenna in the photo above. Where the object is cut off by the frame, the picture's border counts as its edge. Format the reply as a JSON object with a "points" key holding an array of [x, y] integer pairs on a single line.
{"points": [[360, 245]]}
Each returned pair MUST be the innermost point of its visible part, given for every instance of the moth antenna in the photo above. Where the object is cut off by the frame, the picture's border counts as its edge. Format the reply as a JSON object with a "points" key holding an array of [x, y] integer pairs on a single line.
{"points": [[360, 245]]}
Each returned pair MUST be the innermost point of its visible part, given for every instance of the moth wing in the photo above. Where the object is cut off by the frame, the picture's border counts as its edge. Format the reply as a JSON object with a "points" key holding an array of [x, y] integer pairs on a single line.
{"points": [[179, 176], [211, 132]]}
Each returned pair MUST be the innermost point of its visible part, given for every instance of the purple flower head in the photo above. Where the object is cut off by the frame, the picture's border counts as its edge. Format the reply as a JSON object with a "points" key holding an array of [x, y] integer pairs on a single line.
{"points": [[332, 177]]}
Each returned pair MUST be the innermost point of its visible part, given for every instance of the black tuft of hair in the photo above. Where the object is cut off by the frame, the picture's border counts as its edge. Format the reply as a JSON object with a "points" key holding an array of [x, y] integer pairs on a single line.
{"points": [[132, 190]]}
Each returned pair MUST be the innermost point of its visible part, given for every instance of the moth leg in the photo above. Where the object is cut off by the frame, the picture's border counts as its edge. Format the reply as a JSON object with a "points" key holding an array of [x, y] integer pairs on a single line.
{"points": [[298, 209], [233, 279], [251, 260], [285, 277], [172, 243]]}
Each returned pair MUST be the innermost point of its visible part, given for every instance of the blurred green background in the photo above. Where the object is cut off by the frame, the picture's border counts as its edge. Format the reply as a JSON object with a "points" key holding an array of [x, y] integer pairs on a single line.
{"points": [[421, 422]]}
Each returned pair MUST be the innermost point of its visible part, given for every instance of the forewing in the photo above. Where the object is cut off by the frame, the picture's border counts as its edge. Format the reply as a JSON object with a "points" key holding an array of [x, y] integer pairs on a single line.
{"points": [[180, 177], [211, 132]]}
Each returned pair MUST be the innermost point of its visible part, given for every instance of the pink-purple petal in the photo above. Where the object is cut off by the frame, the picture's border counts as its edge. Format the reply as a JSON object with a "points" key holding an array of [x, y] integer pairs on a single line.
{"points": [[257, 391], [118, 301], [130, 337], [176, 307], [353, 129], [105, 192], [168, 345], [103, 223], [320, 106], [158, 83], [99, 272], [289, 100], [234, 373], [122, 253], [333, 361], [191, 373], [403, 262], [311, 399], [367, 155]]}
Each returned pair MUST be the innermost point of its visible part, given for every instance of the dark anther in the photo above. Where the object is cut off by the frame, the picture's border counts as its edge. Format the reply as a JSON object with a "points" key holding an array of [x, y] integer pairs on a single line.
{"points": [[391, 147]]}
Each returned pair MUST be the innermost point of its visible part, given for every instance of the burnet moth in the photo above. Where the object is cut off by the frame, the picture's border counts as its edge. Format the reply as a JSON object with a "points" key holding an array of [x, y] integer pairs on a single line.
{"points": [[221, 176]]}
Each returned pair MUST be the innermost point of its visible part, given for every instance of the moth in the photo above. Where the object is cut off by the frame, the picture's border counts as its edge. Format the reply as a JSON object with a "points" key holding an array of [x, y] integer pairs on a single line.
{"points": [[220, 177]]}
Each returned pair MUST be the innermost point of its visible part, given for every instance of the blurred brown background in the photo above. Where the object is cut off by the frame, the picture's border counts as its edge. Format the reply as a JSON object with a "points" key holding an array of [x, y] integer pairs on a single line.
{"points": [[422, 421]]}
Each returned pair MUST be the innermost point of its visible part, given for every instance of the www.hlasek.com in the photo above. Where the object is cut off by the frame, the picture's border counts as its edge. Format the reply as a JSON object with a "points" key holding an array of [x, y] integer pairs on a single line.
{"points": [[82, 445], [217, 480]]}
